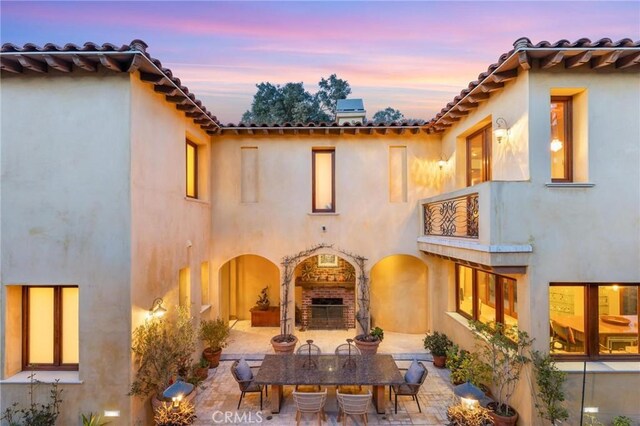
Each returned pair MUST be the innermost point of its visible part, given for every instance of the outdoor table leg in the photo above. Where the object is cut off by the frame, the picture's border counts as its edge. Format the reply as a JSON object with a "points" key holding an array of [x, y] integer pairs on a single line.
{"points": [[378, 398], [276, 395]]}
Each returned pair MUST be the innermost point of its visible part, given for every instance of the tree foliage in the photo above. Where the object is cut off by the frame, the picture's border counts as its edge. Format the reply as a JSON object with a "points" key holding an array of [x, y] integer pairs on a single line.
{"points": [[549, 381], [292, 103], [388, 115]]}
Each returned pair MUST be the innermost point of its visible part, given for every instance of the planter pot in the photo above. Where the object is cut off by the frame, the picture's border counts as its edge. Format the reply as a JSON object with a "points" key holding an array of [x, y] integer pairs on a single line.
{"points": [[212, 356], [439, 361], [366, 347], [499, 420], [201, 373], [283, 347]]}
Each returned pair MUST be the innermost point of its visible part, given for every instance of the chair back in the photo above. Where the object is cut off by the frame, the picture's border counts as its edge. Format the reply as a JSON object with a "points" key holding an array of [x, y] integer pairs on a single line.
{"points": [[563, 333], [304, 349], [425, 373], [343, 349], [354, 403], [242, 385], [309, 402]]}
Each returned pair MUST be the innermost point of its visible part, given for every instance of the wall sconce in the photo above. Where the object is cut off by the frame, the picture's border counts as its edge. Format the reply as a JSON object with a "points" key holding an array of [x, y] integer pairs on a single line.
{"points": [[157, 310], [442, 162], [469, 395], [502, 130]]}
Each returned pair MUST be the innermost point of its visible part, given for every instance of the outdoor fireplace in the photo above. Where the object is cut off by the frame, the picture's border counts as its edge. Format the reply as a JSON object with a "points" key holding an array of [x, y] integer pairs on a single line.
{"points": [[328, 307]]}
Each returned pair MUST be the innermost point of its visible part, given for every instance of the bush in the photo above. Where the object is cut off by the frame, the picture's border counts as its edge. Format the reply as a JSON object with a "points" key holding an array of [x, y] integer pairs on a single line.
{"points": [[467, 367], [182, 415], [214, 333], [622, 421], [549, 381], [36, 414], [437, 343], [461, 416]]}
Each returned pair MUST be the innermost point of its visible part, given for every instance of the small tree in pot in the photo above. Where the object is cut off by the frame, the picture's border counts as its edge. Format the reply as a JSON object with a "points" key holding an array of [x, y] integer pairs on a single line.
{"points": [[549, 381], [503, 348], [438, 344], [215, 334]]}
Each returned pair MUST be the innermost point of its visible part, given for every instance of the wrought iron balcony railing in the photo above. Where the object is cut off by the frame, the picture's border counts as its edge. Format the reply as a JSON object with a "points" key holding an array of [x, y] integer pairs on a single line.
{"points": [[455, 217]]}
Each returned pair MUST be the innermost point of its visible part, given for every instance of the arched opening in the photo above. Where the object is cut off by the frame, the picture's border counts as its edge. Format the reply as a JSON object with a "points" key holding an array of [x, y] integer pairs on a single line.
{"points": [[241, 282], [399, 294], [325, 295]]}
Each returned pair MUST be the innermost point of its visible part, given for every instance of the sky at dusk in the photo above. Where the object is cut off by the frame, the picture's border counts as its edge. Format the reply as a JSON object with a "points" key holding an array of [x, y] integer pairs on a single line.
{"points": [[414, 56]]}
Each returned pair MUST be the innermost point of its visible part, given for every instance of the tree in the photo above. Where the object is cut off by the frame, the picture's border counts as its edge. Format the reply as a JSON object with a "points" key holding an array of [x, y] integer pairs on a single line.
{"points": [[388, 116], [292, 103]]}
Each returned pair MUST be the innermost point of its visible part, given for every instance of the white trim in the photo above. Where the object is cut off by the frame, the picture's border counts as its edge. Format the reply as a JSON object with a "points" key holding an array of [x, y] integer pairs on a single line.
{"points": [[63, 377], [324, 214], [569, 185], [599, 366], [472, 245]]}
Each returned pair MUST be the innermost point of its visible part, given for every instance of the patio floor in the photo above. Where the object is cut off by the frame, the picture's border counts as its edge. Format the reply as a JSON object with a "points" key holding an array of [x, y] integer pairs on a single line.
{"points": [[221, 393]]}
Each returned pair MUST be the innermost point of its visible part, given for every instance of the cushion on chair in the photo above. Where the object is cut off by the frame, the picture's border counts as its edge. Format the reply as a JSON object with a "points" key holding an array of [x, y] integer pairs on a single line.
{"points": [[244, 371], [414, 373]]}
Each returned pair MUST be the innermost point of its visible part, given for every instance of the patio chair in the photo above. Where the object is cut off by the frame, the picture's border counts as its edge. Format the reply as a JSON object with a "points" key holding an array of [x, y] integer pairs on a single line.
{"points": [[245, 384], [353, 405], [304, 349], [563, 337], [343, 349], [310, 402], [413, 380]]}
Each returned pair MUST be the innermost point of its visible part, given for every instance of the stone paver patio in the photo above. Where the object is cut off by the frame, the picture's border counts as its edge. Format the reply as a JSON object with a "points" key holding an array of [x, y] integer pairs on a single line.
{"points": [[220, 394]]}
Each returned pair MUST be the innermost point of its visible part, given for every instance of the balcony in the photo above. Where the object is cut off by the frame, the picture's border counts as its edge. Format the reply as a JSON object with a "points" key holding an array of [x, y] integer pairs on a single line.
{"points": [[484, 224]]}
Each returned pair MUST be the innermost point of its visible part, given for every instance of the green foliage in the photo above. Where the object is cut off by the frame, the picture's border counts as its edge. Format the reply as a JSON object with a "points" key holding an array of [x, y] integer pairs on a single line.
{"points": [[203, 363], [36, 414], [437, 343], [214, 333], [292, 103], [93, 420], [161, 346], [388, 116], [377, 333], [182, 415], [467, 367], [622, 421], [461, 416], [503, 349], [591, 420], [549, 381]]}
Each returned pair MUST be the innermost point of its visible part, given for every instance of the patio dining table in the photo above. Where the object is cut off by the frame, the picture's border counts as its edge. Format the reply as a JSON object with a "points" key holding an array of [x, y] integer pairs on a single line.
{"points": [[377, 371]]}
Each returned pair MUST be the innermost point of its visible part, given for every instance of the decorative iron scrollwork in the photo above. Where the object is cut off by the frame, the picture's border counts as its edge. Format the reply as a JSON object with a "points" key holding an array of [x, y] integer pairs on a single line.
{"points": [[455, 217]]}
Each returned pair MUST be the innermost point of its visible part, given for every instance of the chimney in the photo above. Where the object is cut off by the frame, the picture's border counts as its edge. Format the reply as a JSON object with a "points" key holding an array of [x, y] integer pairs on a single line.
{"points": [[350, 111]]}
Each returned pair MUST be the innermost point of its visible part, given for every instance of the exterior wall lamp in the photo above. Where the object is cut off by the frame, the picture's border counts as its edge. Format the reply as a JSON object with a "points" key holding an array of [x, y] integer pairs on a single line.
{"points": [[441, 162], [157, 310], [502, 130]]}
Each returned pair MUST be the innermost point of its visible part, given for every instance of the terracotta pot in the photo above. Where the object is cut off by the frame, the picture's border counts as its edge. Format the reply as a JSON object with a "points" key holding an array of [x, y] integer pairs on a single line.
{"points": [[367, 348], [499, 420], [283, 348], [439, 361], [212, 356], [201, 373]]}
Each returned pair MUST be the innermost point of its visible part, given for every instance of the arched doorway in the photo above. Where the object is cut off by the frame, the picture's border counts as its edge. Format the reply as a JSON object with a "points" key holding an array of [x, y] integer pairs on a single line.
{"points": [[325, 295], [399, 294], [241, 282]]}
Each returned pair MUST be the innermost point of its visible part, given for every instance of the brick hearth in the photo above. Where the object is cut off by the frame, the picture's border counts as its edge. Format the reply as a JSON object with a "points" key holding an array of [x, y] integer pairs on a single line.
{"points": [[346, 294]]}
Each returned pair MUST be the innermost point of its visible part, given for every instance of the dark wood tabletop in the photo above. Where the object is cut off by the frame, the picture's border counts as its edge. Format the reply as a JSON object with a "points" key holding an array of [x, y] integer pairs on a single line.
{"points": [[328, 370]]}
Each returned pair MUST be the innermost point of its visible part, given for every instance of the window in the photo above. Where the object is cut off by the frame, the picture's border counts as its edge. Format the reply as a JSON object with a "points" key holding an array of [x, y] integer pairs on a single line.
{"points": [[184, 287], [594, 321], [486, 297], [50, 328], [192, 169], [323, 175], [479, 156], [561, 139]]}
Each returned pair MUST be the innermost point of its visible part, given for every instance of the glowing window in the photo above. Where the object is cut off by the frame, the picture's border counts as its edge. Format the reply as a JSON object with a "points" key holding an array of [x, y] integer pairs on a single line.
{"points": [[192, 169], [51, 328], [561, 139], [323, 191]]}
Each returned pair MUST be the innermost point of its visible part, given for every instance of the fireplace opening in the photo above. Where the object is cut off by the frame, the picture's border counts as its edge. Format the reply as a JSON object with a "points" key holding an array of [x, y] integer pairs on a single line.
{"points": [[327, 313]]}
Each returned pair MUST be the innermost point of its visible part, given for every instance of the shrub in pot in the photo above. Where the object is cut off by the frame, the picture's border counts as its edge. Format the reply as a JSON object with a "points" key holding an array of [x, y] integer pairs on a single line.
{"points": [[438, 344], [201, 369], [215, 334], [503, 348], [549, 381], [467, 366], [160, 346], [368, 343]]}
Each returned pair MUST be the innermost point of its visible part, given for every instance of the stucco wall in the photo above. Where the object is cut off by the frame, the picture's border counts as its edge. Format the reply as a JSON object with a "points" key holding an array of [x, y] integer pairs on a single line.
{"points": [[65, 220], [169, 232], [281, 222], [578, 234]]}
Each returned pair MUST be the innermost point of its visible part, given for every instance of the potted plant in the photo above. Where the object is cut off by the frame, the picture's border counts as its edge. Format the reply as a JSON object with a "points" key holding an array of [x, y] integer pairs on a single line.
{"points": [[263, 300], [503, 349], [438, 344], [549, 381], [467, 366], [160, 346], [215, 334], [201, 369], [368, 343]]}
